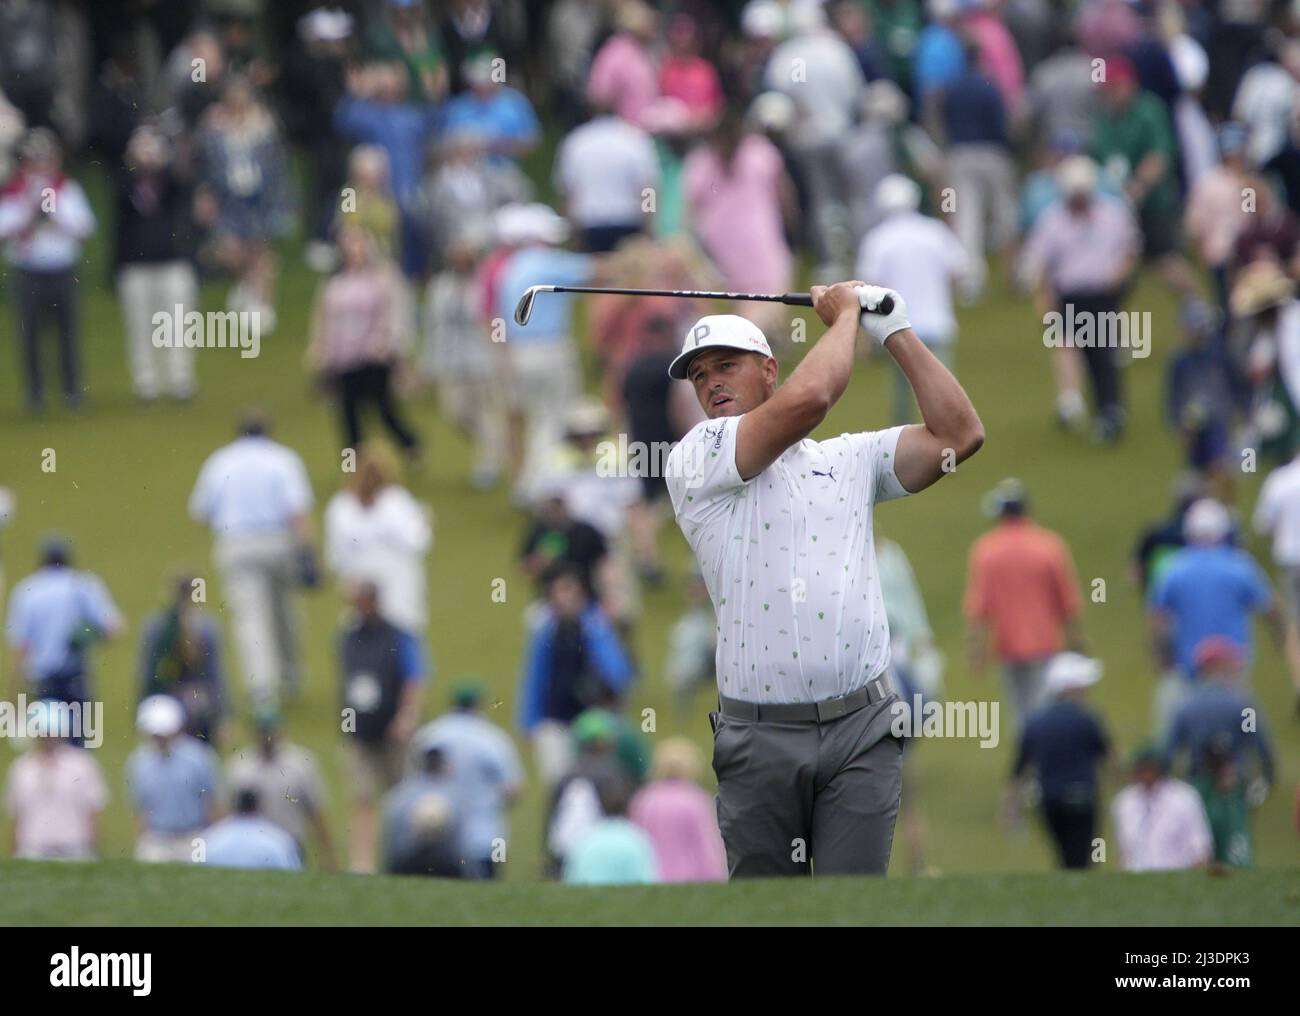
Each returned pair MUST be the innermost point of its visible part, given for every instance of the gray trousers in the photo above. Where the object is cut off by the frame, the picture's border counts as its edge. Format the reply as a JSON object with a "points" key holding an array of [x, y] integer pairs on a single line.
{"points": [[794, 793]]}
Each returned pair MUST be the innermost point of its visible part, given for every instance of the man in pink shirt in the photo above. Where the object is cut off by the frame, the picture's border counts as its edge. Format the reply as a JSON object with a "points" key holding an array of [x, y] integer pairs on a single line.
{"points": [[55, 793], [680, 818]]}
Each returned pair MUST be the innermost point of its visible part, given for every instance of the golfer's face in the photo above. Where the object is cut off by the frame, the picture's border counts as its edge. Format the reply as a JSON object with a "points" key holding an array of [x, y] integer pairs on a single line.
{"points": [[729, 382]]}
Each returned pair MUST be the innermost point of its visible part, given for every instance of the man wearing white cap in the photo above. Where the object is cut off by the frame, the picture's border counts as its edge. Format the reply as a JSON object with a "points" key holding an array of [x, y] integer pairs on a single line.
{"points": [[1065, 744], [781, 526], [922, 258], [172, 780], [1210, 587]]}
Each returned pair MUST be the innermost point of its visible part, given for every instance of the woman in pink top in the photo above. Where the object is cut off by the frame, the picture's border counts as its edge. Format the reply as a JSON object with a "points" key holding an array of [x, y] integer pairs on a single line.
{"points": [[680, 818], [688, 78], [623, 76], [736, 191], [359, 333]]}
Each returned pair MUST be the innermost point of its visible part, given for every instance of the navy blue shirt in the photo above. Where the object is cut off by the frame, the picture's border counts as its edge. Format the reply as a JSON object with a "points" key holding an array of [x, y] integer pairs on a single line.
{"points": [[1212, 715], [973, 112], [1065, 743]]}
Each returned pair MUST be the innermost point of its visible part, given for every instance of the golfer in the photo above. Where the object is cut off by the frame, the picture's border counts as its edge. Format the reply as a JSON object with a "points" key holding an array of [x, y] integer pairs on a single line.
{"points": [[809, 774]]}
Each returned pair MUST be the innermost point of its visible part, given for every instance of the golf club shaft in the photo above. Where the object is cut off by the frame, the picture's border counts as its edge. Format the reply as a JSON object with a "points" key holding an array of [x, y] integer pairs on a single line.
{"points": [[790, 299]]}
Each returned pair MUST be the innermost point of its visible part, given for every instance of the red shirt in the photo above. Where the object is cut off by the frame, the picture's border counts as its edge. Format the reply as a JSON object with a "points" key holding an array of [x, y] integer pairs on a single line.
{"points": [[1022, 584]]}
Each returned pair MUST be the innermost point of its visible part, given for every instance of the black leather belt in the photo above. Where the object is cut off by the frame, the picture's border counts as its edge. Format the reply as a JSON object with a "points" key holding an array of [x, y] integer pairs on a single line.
{"points": [[875, 690]]}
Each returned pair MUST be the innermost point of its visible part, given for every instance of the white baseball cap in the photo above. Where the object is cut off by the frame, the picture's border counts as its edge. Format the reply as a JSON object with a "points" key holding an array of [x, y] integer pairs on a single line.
{"points": [[160, 716], [898, 193], [1068, 671], [1206, 522], [730, 331]]}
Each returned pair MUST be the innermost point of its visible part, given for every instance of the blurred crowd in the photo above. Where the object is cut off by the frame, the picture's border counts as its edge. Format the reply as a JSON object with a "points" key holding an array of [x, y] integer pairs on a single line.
{"points": [[431, 161]]}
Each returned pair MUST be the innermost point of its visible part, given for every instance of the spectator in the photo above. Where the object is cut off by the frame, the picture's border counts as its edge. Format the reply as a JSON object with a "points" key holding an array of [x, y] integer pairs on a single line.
{"points": [[1199, 402], [422, 822], [819, 72], [940, 58], [678, 817], [360, 335], [384, 675], [44, 221], [543, 378], [405, 34], [54, 794], [588, 781], [1209, 588], [376, 112], [922, 259], [465, 189], [1158, 543], [973, 117], [172, 780], [484, 768], [1078, 258], [574, 660], [180, 656], [314, 81], [1265, 100], [853, 23], [375, 531], [247, 839], [604, 170], [459, 357], [738, 195], [243, 195], [501, 117], [156, 282], [55, 615], [1277, 516], [1160, 823], [372, 207], [555, 537], [1062, 95], [1217, 210], [1268, 341], [287, 782], [623, 79], [1021, 590], [1227, 807], [614, 851], [1065, 743], [1134, 142], [471, 28], [255, 496], [688, 78], [1217, 718]]}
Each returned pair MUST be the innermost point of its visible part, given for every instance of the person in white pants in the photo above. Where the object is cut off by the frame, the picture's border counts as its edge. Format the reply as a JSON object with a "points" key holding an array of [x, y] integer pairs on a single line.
{"points": [[156, 283]]}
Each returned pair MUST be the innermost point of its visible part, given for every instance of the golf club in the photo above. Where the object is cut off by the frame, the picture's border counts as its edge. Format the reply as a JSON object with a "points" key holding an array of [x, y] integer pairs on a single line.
{"points": [[525, 309]]}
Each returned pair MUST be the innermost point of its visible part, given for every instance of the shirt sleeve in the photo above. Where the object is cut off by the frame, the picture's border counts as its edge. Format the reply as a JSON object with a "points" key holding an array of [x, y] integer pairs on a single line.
{"points": [[701, 471], [411, 659], [881, 448]]}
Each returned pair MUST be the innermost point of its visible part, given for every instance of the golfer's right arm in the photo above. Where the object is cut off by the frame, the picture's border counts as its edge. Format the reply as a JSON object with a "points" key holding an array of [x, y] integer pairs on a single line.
{"points": [[802, 403]]}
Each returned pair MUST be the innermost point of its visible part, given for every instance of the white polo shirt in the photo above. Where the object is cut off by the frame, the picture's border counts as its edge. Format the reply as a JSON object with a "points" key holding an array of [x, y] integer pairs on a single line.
{"points": [[789, 559], [1277, 513], [252, 486]]}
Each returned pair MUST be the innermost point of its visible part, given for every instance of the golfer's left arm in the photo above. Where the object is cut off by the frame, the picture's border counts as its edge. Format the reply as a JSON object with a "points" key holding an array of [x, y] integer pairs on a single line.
{"points": [[951, 431]]}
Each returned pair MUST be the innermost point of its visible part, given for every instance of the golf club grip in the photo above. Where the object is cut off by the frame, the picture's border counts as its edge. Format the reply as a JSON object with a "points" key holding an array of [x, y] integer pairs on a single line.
{"points": [[804, 300]]}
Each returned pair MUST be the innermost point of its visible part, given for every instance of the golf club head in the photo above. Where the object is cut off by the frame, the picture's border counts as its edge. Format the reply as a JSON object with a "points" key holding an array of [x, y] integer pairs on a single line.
{"points": [[524, 310]]}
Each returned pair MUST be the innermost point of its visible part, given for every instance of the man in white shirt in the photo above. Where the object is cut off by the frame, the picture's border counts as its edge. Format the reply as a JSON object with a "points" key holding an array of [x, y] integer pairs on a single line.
{"points": [[781, 526], [255, 496], [1277, 514], [1160, 822], [605, 169], [922, 258]]}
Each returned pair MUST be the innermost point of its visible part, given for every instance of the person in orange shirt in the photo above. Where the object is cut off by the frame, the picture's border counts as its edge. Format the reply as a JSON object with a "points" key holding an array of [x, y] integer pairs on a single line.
{"points": [[1022, 596]]}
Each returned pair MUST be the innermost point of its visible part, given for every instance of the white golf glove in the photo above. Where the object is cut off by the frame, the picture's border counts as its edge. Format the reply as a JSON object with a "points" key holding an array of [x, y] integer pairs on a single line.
{"points": [[881, 326]]}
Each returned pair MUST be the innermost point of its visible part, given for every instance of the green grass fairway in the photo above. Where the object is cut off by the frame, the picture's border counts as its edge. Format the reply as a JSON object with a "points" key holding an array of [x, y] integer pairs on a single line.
{"points": [[124, 472], [123, 894]]}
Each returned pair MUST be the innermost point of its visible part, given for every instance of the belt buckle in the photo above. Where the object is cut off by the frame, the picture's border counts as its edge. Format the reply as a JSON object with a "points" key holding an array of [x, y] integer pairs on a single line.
{"points": [[832, 709]]}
